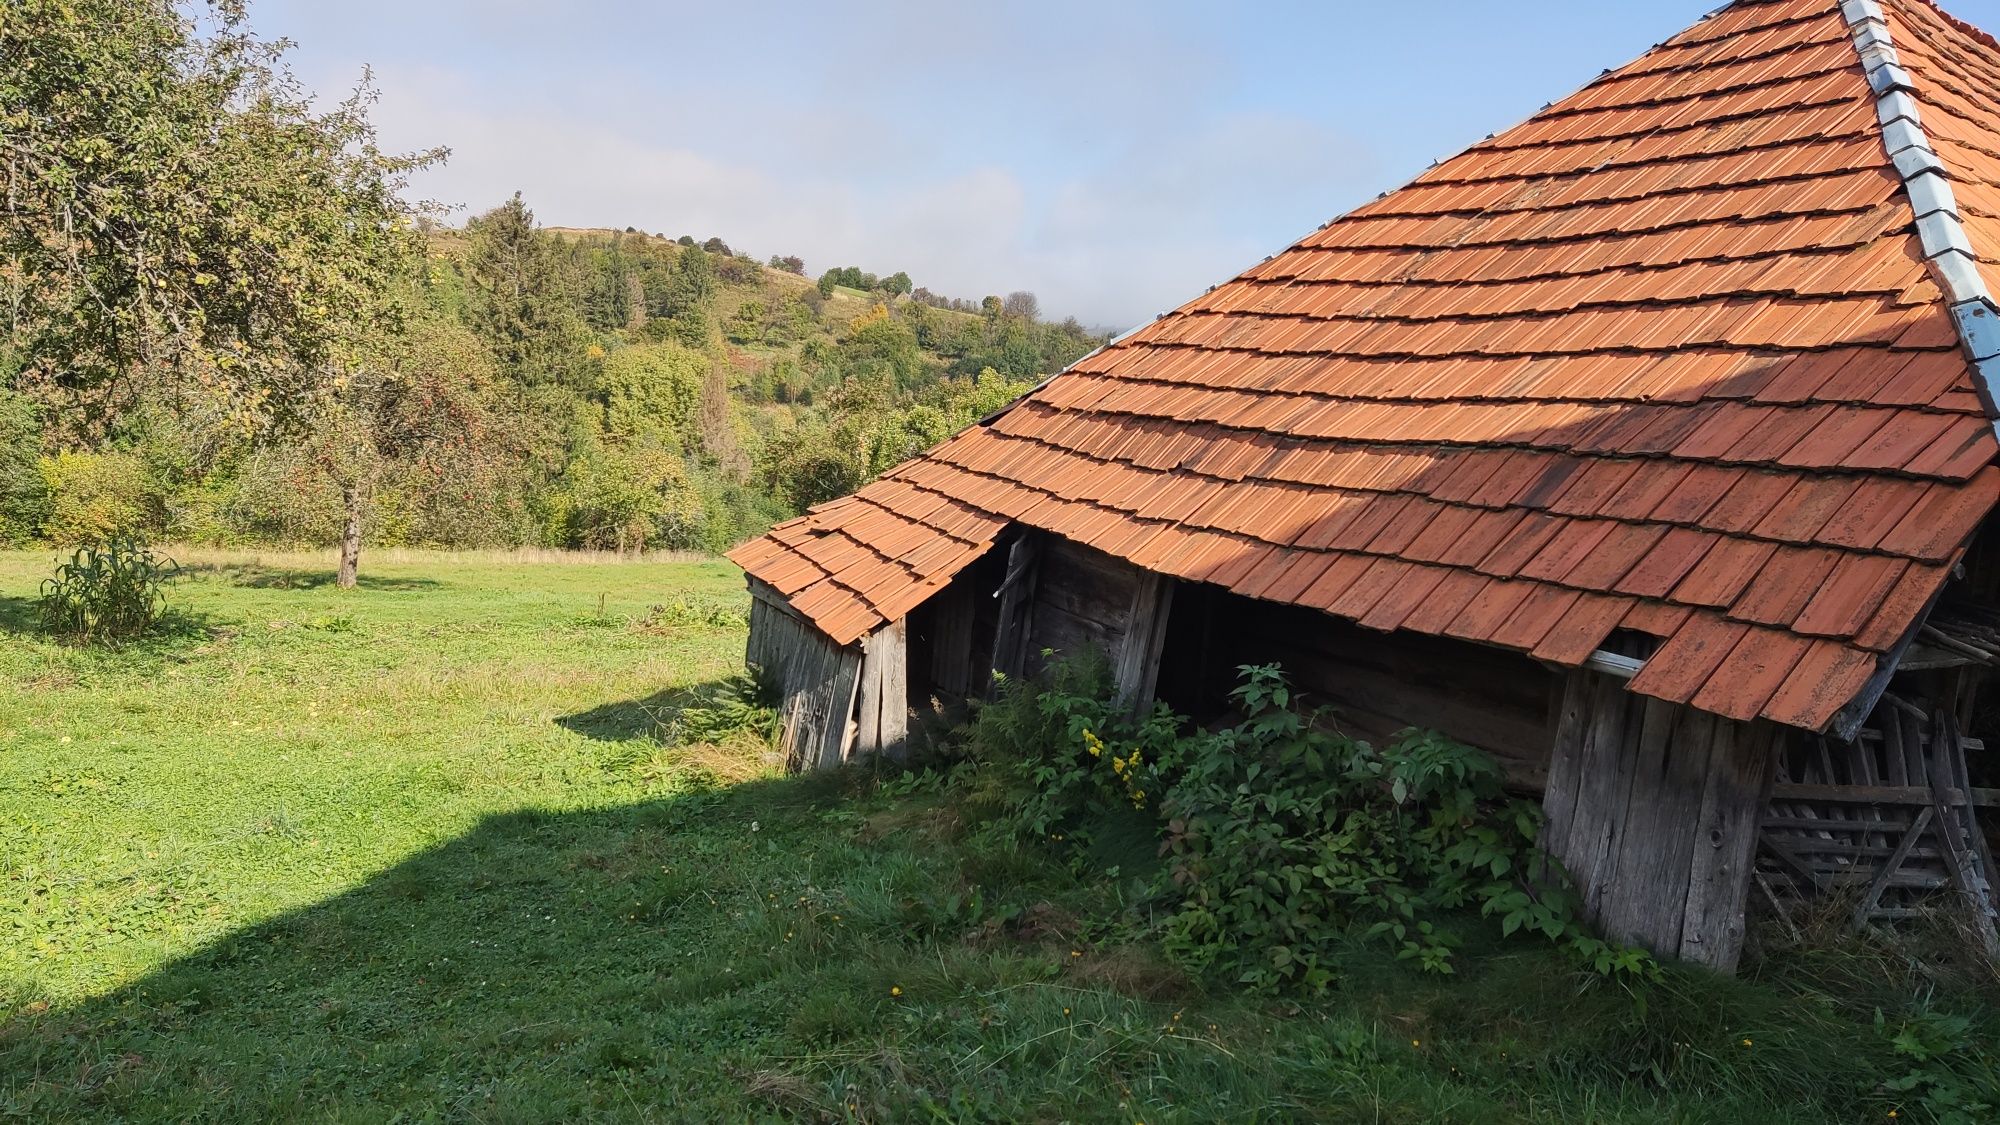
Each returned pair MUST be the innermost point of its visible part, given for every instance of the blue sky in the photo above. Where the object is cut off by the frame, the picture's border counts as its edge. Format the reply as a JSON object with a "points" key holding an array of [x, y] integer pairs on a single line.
{"points": [[1115, 157]]}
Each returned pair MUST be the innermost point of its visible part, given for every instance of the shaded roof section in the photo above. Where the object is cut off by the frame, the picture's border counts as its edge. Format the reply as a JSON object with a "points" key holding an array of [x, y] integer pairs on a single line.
{"points": [[1667, 357]]}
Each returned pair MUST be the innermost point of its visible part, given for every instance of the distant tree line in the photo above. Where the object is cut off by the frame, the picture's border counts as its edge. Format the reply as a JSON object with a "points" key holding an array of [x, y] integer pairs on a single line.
{"points": [[227, 326]]}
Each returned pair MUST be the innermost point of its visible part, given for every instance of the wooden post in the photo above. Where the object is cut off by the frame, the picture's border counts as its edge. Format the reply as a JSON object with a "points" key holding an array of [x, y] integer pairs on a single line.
{"points": [[1017, 597], [884, 717], [1653, 808], [1137, 672], [1740, 770]]}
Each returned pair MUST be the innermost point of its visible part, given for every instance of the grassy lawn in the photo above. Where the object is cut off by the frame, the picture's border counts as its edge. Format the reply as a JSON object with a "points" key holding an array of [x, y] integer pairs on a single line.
{"points": [[420, 850]]}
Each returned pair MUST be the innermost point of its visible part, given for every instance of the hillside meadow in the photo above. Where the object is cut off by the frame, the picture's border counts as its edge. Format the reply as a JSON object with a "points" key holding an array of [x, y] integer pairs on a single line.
{"points": [[433, 848]]}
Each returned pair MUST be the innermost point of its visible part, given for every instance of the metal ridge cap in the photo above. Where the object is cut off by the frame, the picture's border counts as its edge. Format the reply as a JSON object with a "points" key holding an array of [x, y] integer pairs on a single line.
{"points": [[1941, 234]]}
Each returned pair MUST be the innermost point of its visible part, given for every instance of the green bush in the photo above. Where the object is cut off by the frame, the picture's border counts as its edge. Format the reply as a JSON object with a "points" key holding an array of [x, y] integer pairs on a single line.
{"points": [[113, 592], [1285, 840], [94, 496]]}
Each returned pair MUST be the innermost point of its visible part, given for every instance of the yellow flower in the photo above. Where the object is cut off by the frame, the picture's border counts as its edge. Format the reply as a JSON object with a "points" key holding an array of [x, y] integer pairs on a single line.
{"points": [[895, 990], [1746, 1042]]}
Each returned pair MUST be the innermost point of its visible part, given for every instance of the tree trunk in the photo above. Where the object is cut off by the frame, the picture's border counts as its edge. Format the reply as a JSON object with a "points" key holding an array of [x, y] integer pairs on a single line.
{"points": [[350, 539]]}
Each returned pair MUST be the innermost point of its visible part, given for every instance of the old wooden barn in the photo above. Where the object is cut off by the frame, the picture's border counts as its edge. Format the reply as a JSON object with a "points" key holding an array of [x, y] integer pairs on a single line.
{"points": [[1648, 445]]}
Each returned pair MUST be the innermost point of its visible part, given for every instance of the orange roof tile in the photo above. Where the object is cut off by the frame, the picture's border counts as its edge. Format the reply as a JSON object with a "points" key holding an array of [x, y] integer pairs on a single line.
{"points": [[1675, 355]]}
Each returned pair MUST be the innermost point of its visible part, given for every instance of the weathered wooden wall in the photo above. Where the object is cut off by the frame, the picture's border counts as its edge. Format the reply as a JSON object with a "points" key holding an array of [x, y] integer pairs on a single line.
{"points": [[951, 635], [1083, 601], [1653, 807], [815, 678], [1379, 683]]}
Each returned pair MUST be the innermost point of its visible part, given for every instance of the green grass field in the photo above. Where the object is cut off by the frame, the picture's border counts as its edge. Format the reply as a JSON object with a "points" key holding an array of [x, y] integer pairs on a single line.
{"points": [[427, 850]]}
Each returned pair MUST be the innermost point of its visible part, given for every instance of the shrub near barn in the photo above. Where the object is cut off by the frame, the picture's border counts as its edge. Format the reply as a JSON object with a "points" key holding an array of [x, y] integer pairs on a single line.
{"points": [[1283, 839]]}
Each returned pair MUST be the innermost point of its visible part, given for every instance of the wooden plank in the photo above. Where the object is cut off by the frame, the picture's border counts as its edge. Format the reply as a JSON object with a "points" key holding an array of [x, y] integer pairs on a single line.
{"points": [[834, 708], [1058, 631], [1017, 596], [1782, 850], [1738, 785], [952, 615], [1649, 886], [1565, 764], [1955, 826], [868, 711], [1882, 794], [1516, 728], [1886, 824], [1952, 746], [895, 721], [1833, 849], [1137, 670], [1896, 765], [1912, 738], [1600, 811], [817, 681], [1086, 583]]}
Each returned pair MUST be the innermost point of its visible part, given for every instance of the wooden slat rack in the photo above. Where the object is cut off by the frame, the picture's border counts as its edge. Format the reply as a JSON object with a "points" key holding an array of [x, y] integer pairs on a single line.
{"points": [[1890, 818]]}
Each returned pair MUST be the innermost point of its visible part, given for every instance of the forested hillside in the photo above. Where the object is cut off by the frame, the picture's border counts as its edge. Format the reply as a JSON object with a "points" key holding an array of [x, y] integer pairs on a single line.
{"points": [[566, 388]]}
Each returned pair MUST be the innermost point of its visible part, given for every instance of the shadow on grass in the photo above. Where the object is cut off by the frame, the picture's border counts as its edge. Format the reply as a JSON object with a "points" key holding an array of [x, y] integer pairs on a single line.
{"points": [[18, 615], [764, 952], [631, 719], [177, 629], [543, 966], [255, 577]]}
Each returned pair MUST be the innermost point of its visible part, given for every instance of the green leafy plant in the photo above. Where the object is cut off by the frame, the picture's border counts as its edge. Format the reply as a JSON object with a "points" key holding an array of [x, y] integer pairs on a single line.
{"points": [[1285, 841], [1064, 758], [107, 593], [1948, 1069], [1288, 839]]}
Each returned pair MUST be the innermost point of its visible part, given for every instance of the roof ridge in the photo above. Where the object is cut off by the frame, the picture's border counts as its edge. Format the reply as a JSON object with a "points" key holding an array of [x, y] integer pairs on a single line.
{"points": [[1947, 248]]}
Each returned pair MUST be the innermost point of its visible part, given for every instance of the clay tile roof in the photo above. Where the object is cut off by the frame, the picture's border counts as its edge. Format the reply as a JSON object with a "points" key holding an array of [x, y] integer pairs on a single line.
{"points": [[1695, 351]]}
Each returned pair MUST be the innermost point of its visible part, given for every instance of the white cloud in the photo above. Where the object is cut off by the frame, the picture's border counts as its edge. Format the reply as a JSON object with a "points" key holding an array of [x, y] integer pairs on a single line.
{"points": [[1143, 226]]}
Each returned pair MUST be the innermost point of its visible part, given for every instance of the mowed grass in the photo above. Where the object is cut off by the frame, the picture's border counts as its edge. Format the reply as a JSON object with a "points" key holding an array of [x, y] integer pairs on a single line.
{"points": [[424, 850]]}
